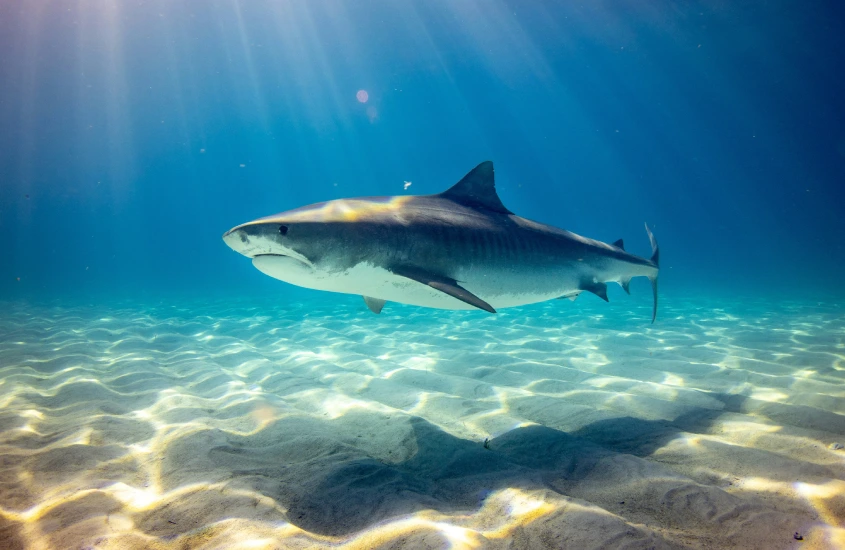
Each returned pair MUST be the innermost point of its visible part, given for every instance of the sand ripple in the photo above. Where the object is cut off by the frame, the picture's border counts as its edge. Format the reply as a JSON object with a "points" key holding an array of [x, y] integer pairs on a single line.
{"points": [[240, 425]]}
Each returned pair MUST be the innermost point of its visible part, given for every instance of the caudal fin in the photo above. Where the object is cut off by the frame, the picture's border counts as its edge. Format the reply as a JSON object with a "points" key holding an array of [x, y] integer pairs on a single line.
{"points": [[655, 257]]}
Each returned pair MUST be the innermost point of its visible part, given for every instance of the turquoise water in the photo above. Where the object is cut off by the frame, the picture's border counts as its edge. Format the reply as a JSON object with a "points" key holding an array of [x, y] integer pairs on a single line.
{"points": [[157, 391]]}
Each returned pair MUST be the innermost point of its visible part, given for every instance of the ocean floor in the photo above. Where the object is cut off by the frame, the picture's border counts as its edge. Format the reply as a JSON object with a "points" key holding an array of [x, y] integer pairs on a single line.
{"points": [[234, 425]]}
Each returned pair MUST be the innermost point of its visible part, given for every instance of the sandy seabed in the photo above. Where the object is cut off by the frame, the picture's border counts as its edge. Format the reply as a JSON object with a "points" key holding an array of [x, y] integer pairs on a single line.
{"points": [[231, 425]]}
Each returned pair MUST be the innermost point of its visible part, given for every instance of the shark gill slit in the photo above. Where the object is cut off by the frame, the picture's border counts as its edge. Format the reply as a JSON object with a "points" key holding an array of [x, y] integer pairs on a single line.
{"points": [[507, 247], [510, 244]]}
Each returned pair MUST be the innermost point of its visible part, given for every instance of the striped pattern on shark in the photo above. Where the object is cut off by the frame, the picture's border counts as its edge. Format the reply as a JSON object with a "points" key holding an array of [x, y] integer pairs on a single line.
{"points": [[460, 249]]}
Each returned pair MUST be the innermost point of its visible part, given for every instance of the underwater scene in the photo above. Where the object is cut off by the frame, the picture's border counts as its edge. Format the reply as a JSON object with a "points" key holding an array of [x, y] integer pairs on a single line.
{"points": [[283, 274]]}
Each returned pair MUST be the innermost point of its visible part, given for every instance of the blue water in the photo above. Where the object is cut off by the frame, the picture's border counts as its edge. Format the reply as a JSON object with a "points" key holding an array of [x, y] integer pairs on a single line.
{"points": [[158, 391], [134, 134]]}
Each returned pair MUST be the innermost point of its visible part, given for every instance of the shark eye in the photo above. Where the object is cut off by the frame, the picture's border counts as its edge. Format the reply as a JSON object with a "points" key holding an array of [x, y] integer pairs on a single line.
{"points": [[283, 229]]}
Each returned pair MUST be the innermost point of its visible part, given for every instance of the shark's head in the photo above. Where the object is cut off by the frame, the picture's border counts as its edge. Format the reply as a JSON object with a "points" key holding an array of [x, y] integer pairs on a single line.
{"points": [[311, 242], [286, 246]]}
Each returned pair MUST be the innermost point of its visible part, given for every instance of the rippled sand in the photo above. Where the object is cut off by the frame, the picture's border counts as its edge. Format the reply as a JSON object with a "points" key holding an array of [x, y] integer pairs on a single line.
{"points": [[227, 425]]}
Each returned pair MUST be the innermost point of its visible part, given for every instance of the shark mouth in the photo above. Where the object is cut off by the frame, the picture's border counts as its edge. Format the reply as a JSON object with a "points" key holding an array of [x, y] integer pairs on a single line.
{"points": [[280, 261]]}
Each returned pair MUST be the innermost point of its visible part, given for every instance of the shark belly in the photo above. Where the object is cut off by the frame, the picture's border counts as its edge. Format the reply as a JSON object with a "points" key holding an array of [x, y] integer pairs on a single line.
{"points": [[500, 287]]}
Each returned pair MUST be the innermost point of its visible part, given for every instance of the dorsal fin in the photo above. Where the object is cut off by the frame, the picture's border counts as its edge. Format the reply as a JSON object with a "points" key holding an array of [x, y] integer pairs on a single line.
{"points": [[477, 190], [619, 244]]}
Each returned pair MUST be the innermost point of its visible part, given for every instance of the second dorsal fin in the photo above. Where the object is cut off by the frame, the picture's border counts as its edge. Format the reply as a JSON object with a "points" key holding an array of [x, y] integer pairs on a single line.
{"points": [[620, 244], [477, 190]]}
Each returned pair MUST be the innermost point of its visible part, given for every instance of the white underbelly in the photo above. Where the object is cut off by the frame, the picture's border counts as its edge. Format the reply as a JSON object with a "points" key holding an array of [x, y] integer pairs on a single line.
{"points": [[377, 282]]}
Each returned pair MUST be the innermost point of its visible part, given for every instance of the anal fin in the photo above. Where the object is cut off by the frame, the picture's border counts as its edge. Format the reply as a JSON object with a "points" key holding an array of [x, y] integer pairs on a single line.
{"points": [[626, 285], [443, 284], [375, 304]]}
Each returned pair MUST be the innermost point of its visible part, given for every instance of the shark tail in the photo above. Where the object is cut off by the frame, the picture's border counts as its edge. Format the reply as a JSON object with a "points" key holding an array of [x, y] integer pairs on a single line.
{"points": [[655, 258]]}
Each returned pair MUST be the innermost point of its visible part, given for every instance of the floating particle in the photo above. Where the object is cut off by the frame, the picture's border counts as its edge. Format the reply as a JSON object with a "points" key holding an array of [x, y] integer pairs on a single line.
{"points": [[18, 278], [243, 165], [362, 96], [202, 150], [407, 184]]}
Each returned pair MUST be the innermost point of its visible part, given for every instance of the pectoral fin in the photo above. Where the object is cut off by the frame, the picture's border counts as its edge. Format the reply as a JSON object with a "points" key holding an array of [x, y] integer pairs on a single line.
{"points": [[375, 304], [443, 284], [571, 295]]}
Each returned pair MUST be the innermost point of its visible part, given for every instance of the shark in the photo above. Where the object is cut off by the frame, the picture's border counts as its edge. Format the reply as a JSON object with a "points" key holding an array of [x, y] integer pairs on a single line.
{"points": [[459, 249]]}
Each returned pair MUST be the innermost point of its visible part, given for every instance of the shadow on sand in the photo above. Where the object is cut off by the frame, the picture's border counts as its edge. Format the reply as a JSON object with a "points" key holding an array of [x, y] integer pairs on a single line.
{"points": [[330, 486], [450, 474]]}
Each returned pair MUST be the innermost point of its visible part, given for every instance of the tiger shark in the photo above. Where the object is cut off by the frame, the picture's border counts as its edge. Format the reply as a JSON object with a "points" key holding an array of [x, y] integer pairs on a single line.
{"points": [[459, 249]]}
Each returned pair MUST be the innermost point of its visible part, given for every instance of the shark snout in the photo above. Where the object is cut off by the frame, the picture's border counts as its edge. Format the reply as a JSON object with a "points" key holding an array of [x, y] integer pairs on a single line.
{"points": [[252, 240], [238, 240]]}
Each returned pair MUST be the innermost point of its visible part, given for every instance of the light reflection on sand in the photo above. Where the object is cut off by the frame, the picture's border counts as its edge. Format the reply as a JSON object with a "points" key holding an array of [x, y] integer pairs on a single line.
{"points": [[239, 426]]}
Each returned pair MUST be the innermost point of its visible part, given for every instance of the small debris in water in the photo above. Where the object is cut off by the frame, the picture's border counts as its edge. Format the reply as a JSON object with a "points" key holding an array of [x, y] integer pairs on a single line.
{"points": [[833, 446], [407, 184], [797, 536]]}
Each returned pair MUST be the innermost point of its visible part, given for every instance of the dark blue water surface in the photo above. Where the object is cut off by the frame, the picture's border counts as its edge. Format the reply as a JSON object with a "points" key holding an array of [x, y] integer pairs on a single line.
{"points": [[133, 134]]}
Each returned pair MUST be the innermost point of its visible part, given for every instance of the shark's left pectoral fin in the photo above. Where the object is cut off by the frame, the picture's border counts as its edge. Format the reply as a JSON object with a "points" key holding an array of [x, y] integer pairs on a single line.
{"points": [[375, 304], [443, 284]]}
